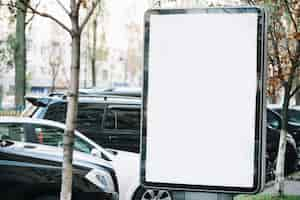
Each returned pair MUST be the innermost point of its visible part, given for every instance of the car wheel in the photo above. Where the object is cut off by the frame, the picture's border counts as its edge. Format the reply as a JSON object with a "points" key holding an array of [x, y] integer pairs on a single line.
{"points": [[290, 165], [291, 160], [149, 194], [270, 170]]}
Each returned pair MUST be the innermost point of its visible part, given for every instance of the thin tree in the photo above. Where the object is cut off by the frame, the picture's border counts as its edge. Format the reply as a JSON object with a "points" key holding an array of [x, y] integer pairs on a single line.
{"points": [[74, 31], [20, 55], [284, 58], [55, 61], [19, 46]]}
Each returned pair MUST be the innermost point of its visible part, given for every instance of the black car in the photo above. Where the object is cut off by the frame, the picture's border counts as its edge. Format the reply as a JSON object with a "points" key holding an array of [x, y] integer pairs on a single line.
{"points": [[293, 125], [32, 171], [291, 158], [113, 121]]}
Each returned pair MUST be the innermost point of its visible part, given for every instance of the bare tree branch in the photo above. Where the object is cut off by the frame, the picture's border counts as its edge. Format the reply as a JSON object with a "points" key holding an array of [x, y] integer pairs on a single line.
{"points": [[63, 7], [291, 15], [46, 15], [90, 12], [294, 91], [78, 6], [32, 17], [277, 53]]}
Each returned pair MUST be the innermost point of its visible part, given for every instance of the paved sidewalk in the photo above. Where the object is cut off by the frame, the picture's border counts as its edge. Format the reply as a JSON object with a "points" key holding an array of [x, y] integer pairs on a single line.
{"points": [[292, 185]]}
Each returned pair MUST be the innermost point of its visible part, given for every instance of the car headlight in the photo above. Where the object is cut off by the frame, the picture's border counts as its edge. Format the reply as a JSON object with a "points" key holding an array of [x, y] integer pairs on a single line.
{"points": [[102, 179]]}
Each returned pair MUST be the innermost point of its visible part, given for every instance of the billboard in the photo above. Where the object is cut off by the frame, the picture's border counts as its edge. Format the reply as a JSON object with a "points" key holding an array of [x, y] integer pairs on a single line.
{"points": [[203, 124]]}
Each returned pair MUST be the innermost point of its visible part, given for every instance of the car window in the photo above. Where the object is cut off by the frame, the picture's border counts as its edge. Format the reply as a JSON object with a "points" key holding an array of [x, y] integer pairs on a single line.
{"points": [[53, 136], [48, 135], [273, 120], [82, 146], [294, 116], [56, 112], [89, 117], [122, 119], [13, 132]]}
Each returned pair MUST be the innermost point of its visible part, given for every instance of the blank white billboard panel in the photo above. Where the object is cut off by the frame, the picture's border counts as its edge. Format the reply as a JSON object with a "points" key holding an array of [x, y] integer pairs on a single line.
{"points": [[200, 100]]}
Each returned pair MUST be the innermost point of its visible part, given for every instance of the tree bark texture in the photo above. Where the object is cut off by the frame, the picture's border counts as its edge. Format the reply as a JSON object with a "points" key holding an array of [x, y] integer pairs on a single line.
{"points": [[66, 189], [20, 57], [94, 52]]}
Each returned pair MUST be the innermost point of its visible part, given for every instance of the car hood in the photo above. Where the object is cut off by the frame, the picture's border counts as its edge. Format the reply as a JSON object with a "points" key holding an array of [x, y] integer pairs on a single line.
{"points": [[127, 167], [55, 154], [126, 161]]}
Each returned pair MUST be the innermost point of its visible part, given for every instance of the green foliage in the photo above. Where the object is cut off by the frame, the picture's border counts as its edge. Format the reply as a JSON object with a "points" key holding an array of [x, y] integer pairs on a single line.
{"points": [[265, 197]]}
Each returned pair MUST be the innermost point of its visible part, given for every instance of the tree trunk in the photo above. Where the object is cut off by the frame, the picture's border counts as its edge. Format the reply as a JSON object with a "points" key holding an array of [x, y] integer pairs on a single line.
{"points": [[1, 95], [94, 52], [66, 189], [53, 79], [20, 57], [279, 181], [297, 95], [280, 163]]}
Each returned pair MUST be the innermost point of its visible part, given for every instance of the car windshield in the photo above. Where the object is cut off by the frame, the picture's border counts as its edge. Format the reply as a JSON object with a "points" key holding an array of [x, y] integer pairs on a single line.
{"points": [[293, 115], [273, 119]]}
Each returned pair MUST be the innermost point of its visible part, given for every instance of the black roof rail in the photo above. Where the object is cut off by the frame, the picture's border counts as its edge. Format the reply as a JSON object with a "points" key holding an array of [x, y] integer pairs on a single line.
{"points": [[56, 94], [105, 96]]}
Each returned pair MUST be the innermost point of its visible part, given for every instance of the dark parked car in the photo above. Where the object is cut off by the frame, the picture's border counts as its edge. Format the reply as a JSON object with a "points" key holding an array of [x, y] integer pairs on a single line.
{"points": [[114, 122], [31, 171], [111, 121], [293, 120], [291, 160]]}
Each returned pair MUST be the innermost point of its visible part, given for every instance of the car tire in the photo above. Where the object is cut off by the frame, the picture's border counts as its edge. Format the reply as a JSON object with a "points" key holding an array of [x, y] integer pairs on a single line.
{"points": [[270, 170], [291, 163], [291, 160], [149, 194]]}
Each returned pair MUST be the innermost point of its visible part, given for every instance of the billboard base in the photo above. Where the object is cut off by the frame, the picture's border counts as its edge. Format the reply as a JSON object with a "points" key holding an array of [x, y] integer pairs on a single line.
{"points": [[202, 196]]}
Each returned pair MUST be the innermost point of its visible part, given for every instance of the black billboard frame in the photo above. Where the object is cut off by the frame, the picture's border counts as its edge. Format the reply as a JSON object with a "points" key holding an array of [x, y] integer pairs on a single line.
{"points": [[260, 113]]}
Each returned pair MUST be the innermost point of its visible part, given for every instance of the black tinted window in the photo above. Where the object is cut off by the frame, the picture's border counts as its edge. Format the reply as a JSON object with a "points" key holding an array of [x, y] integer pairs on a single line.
{"points": [[13, 132], [122, 118], [273, 120], [48, 135], [89, 116], [56, 112]]}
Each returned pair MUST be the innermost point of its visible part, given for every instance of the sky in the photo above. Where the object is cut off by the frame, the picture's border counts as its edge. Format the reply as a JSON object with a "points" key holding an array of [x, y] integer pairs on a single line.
{"points": [[121, 11]]}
